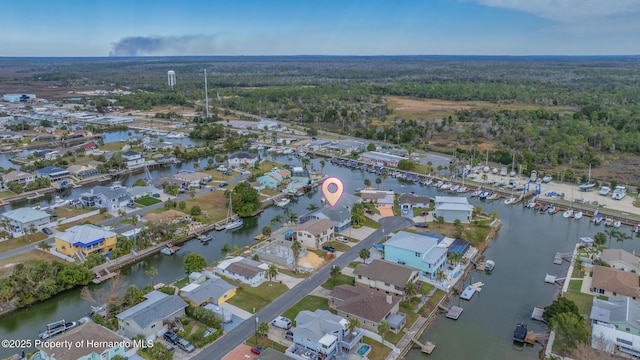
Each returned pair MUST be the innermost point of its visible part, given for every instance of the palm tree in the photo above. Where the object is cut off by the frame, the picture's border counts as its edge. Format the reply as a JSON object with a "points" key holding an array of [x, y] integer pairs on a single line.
{"points": [[318, 241], [365, 254], [611, 233], [271, 273], [367, 183], [33, 229], [226, 249], [335, 273], [352, 324], [357, 214], [322, 164], [378, 182], [296, 247], [192, 193], [579, 266], [151, 273], [621, 237], [440, 275], [312, 207], [383, 327], [291, 216], [410, 290], [43, 245]]}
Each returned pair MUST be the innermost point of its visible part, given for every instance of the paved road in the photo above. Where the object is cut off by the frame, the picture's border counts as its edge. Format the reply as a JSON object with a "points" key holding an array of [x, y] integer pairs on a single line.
{"points": [[140, 212], [243, 331]]}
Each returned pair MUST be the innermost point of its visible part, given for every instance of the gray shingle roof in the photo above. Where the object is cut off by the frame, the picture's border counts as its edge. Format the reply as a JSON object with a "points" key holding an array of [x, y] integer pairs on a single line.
{"points": [[617, 310], [314, 325], [157, 306], [412, 242], [210, 289], [386, 271]]}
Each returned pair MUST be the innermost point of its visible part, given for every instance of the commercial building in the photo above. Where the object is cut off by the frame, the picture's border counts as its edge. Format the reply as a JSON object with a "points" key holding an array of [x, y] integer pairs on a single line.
{"points": [[381, 159], [18, 97]]}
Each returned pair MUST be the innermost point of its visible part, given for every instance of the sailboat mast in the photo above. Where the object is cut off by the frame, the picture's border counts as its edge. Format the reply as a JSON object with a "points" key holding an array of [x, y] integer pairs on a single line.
{"points": [[206, 93]]}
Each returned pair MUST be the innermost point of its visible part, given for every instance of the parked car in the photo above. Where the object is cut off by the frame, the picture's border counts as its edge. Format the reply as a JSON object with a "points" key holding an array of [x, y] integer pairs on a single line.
{"points": [[171, 337], [422, 225], [156, 195], [369, 211], [257, 350], [223, 185], [282, 322], [289, 335], [47, 231], [342, 239], [328, 248], [185, 345], [131, 205]]}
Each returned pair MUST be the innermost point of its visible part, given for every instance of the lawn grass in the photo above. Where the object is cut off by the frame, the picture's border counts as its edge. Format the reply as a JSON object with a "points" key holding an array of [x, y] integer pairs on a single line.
{"points": [[217, 176], [353, 264], [583, 301], [69, 212], [147, 201], [575, 286], [21, 241], [265, 342], [182, 282], [341, 280], [406, 307], [94, 219], [270, 192], [338, 245], [432, 303], [213, 205], [309, 302], [6, 265], [6, 194], [113, 146], [293, 274], [267, 165], [378, 351], [248, 298], [368, 222], [417, 211]]}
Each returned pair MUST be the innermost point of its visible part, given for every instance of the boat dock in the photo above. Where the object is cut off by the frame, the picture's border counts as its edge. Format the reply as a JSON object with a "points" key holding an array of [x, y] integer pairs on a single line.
{"points": [[552, 279], [467, 293], [102, 275], [557, 259], [537, 314], [222, 224], [454, 313], [426, 348]]}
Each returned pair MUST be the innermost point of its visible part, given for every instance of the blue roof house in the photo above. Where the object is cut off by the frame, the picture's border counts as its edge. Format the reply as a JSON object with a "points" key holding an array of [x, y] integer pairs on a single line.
{"points": [[418, 251]]}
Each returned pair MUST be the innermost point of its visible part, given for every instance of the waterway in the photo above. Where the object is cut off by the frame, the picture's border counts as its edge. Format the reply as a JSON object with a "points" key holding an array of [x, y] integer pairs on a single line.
{"points": [[523, 253]]}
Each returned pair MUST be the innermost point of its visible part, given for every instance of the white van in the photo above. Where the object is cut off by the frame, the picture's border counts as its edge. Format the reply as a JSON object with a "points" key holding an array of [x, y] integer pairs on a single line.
{"points": [[282, 322]]}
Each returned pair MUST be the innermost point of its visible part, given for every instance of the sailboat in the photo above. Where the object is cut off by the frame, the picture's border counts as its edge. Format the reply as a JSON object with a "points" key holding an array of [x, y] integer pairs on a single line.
{"points": [[588, 185], [485, 169], [513, 165], [510, 200], [235, 223]]}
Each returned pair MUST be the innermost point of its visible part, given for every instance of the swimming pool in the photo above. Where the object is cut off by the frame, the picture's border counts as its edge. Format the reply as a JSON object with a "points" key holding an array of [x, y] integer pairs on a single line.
{"points": [[363, 349], [456, 274]]}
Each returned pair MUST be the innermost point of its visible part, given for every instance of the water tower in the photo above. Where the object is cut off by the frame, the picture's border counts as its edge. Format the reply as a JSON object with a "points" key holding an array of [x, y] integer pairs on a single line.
{"points": [[171, 76]]}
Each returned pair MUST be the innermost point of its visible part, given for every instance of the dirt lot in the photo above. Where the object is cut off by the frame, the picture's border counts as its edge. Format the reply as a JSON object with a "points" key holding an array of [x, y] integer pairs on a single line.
{"points": [[6, 265]]}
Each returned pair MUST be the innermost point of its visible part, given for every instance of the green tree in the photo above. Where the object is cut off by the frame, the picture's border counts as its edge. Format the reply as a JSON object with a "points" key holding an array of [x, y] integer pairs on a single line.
{"points": [[312, 207], [579, 266], [612, 233], [367, 183], [194, 262], [600, 238], [560, 305], [266, 230], [182, 205], [352, 323], [226, 249], [322, 165], [406, 165], [195, 210], [371, 147], [296, 248], [358, 216], [411, 290], [364, 254], [263, 329], [383, 327], [335, 273], [271, 273], [378, 182], [570, 329], [244, 199]]}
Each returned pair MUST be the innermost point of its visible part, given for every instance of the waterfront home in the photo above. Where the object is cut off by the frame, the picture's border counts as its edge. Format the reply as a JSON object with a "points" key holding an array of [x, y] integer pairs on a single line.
{"points": [[148, 317], [615, 325], [242, 269], [192, 179], [416, 250], [82, 240], [21, 177], [381, 198], [620, 259], [612, 282], [340, 214], [274, 178], [23, 220], [367, 305], [408, 201], [54, 173], [105, 197], [453, 208], [242, 158], [132, 159], [215, 291], [137, 192], [157, 146], [319, 334], [6, 135], [88, 148], [380, 159], [386, 276], [312, 234], [105, 344], [83, 171]]}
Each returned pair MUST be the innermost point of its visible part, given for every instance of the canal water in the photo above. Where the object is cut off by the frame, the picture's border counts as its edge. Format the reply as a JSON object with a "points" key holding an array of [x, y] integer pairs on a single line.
{"points": [[523, 253]]}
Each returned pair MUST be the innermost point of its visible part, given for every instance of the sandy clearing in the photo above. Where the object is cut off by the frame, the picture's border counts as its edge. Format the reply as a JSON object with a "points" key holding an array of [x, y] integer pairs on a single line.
{"points": [[311, 260]]}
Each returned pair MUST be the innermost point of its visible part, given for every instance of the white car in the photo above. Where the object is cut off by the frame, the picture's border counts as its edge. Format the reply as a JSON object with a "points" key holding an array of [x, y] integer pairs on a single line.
{"points": [[342, 239]]}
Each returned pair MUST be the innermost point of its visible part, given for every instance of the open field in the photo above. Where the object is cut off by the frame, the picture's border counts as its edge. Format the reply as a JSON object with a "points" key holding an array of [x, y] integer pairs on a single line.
{"points": [[6, 265], [17, 242], [91, 219], [248, 298], [69, 212], [309, 302], [212, 203]]}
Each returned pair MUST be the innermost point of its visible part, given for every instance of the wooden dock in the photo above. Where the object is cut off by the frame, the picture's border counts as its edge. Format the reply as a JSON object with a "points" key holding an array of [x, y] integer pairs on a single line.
{"points": [[427, 347], [102, 275], [530, 338], [454, 313], [557, 259]]}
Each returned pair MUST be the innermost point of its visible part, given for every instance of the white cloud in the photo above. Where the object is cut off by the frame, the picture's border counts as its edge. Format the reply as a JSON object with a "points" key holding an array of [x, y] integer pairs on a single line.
{"points": [[570, 11]]}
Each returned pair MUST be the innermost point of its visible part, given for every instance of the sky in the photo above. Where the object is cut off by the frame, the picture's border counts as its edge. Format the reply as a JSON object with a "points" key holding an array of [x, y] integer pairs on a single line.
{"points": [[333, 27]]}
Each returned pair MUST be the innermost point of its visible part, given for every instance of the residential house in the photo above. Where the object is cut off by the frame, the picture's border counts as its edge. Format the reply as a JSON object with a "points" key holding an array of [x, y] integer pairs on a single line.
{"points": [[242, 269], [23, 220], [381, 198], [615, 325], [367, 305], [54, 173], [408, 201], [214, 290], [158, 146], [133, 159], [148, 317], [105, 197], [83, 171], [192, 179], [10, 135], [620, 259], [453, 208], [273, 178], [243, 158], [88, 148], [137, 192], [340, 214], [312, 234], [21, 177], [611, 282], [82, 240], [416, 250], [385, 276], [105, 344], [381, 159], [320, 334]]}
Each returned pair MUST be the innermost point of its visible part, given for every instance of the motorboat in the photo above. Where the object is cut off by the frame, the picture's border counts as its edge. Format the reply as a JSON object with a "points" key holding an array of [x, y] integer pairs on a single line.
{"points": [[205, 238], [608, 221], [501, 183], [494, 171], [489, 265], [534, 176], [619, 193], [604, 191], [551, 209], [617, 224], [531, 205], [520, 333], [454, 188], [598, 219], [509, 201], [568, 213], [57, 328], [636, 229], [544, 208], [461, 189], [445, 186], [492, 196], [476, 193], [547, 179], [283, 202], [503, 171], [578, 215], [483, 195]]}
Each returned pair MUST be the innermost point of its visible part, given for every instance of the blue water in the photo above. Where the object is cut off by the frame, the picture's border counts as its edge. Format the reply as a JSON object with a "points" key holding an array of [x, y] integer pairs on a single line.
{"points": [[456, 274], [363, 349]]}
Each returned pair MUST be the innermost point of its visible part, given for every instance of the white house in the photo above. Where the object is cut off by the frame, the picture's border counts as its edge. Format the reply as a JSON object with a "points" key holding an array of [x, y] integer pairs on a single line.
{"points": [[192, 179], [453, 208], [242, 158], [615, 325], [313, 233], [105, 197], [132, 159], [241, 269], [22, 219]]}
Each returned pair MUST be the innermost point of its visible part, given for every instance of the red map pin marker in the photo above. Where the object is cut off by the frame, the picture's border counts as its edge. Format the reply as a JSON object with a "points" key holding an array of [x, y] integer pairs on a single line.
{"points": [[332, 189]]}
